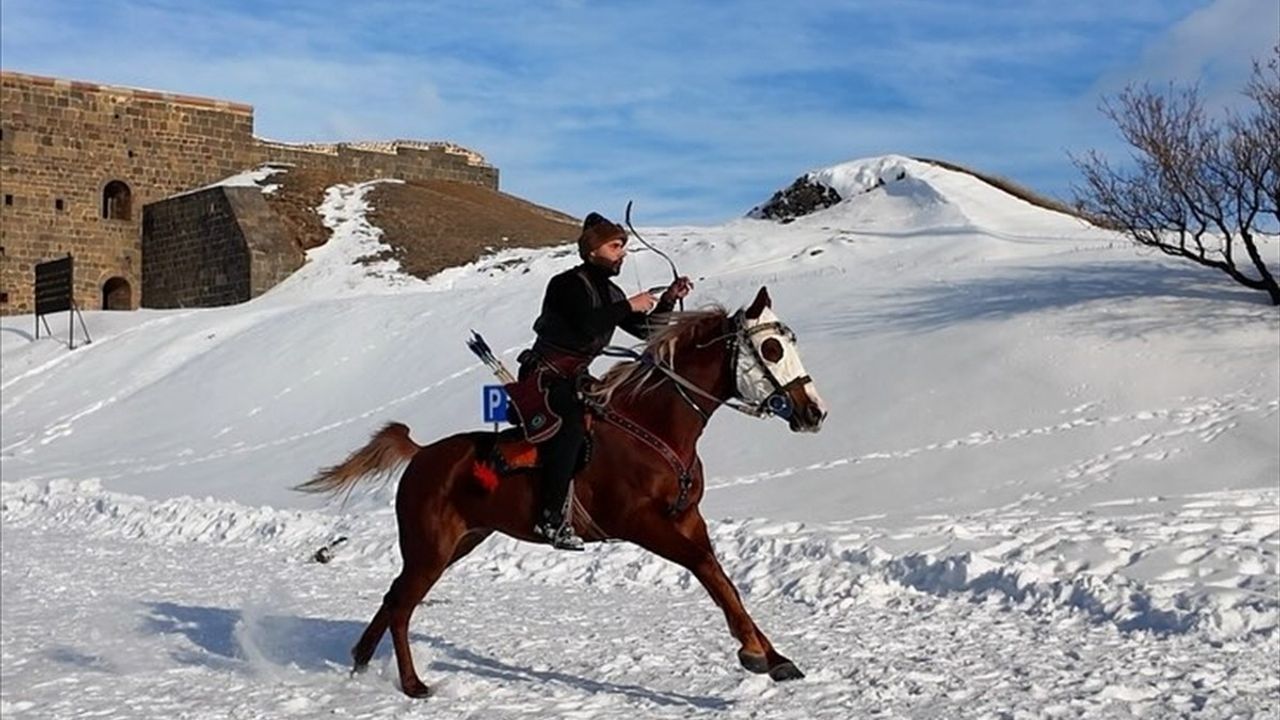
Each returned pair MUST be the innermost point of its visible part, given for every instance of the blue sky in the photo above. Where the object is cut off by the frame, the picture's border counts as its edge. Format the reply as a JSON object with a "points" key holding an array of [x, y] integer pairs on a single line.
{"points": [[695, 110]]}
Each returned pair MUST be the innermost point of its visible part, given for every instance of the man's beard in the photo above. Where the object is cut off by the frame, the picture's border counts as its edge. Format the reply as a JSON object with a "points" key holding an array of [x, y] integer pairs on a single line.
{"points": [[611, 268]]}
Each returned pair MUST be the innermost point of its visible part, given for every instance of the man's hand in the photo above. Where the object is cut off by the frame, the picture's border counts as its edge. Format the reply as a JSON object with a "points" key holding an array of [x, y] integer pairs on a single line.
{"points": [[642, 302], [678, 289]]}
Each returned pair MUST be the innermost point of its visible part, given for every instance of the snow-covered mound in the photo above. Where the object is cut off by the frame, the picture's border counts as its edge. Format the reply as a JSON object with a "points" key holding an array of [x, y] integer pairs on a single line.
{"points": [[926, 195], [1035, 430]]}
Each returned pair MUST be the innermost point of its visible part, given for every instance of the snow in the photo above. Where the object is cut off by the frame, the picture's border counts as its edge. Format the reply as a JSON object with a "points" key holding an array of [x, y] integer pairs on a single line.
{"points": [[355, 261], [1048, 486], [256, 177]]}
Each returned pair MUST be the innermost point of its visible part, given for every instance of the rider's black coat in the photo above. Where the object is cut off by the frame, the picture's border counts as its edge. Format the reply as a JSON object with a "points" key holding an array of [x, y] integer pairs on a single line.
{"points": [[582, 308]]}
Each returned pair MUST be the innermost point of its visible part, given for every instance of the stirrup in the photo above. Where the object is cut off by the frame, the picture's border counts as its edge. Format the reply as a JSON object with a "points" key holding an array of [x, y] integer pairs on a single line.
{"points": [[561, 538]]}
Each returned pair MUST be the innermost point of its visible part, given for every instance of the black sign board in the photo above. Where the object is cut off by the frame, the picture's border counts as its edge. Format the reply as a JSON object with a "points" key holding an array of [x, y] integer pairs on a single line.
{"points": [[53, 286], [53, 294]]}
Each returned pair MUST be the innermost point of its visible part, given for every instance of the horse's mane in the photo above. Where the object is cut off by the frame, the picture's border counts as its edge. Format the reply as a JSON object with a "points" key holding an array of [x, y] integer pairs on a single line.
{"points": [[661, 345]]}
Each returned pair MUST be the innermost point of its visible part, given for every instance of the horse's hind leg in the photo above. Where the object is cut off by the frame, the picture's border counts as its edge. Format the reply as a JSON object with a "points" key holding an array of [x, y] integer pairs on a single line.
{"points": [[689, 545], [469, 542], [403, 597], [427, 552], [363, 651]]}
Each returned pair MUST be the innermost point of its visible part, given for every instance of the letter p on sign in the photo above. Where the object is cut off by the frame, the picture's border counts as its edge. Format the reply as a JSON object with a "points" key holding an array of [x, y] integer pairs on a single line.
{"points": [[495, 404]]}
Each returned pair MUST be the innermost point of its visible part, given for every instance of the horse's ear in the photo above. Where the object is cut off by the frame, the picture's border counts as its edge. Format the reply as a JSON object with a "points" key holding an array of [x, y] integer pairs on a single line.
{"points": [[761, 302]]}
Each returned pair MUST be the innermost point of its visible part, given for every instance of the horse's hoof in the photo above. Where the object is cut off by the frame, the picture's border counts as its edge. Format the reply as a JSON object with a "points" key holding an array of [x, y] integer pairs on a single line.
{"points": [[416, 689], [360, 660], [754, 663], [785, 671]]}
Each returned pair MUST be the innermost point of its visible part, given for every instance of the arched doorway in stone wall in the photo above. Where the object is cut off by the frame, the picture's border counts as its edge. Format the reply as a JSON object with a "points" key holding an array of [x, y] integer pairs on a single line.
{"points": [[117, 201], [117, 295]]}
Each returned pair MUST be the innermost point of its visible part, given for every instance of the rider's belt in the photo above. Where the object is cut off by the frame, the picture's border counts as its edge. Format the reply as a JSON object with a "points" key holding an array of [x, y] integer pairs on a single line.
{"points": [[564, 364]]}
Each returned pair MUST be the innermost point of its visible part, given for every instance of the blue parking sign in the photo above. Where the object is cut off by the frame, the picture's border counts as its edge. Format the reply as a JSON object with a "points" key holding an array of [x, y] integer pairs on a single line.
{"points": [[495, 404]]}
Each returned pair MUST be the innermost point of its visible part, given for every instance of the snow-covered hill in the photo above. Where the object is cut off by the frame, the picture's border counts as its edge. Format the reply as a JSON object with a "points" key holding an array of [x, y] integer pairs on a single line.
{"points": [[1025, 411]]}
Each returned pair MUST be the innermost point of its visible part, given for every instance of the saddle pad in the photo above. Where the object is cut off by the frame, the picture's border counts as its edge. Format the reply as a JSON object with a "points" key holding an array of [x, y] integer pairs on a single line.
{"points": [[518, 454], [503, 454]]}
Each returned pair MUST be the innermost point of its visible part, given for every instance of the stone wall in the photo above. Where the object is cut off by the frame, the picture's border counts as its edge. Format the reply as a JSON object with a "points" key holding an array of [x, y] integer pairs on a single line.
{"points": [[400, 159], [213, 247], [65, 146], [273, 253], [64, 142]]}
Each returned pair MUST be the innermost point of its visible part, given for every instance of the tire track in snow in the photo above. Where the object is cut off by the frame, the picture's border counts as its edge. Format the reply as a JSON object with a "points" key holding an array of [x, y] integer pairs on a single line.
{"points": [[171, 358], [1205, 422], [183, 458]]}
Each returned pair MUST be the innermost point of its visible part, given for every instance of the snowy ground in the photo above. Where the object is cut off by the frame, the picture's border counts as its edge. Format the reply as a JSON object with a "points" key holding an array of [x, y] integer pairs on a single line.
{"points": [[128, 608], [1048, 488]]}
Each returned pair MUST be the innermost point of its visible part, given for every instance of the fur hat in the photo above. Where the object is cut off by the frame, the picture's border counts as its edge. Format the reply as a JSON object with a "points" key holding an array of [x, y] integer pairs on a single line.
{"points": [[596, 231]]}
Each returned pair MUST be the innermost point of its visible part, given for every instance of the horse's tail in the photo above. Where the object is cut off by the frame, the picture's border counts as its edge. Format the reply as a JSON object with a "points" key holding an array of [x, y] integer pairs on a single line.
{"points": [[388, 449]]}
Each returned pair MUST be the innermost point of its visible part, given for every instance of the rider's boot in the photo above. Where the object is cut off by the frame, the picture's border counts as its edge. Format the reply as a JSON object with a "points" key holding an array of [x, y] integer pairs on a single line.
{"points": [[560, 455]]}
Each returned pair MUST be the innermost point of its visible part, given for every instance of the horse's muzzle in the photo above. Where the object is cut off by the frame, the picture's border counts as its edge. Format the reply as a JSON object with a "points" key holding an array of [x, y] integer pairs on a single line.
{"points": [[807, 418]]}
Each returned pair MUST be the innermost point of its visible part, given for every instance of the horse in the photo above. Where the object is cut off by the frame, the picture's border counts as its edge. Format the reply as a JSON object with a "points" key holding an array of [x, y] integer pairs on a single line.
{"points": [[642, 483]]}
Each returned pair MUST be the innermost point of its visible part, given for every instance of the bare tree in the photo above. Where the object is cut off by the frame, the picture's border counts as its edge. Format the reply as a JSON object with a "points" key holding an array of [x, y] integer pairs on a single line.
{"points": [[1200, 188]]}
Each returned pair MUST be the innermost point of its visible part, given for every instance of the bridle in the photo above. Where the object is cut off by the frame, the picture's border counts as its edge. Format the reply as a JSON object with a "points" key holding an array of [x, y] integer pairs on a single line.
{"points": [[777, 402], [740, 346]]}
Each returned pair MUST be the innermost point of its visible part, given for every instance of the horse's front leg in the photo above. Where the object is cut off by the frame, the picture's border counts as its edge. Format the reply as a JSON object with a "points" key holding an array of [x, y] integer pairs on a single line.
{"points": [[685, 541]]}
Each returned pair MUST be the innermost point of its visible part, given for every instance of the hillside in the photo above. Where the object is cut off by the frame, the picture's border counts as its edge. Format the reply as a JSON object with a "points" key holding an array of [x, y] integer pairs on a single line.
{"points": [[427, 226]]}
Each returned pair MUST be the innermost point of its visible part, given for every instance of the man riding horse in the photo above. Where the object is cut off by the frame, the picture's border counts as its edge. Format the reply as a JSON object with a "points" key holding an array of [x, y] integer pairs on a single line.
{"points": [[645, 481], [580, 311]]}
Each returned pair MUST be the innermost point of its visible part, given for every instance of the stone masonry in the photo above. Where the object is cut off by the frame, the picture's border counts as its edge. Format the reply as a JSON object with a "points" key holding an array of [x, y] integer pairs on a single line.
{"points": [[80, 161], [213, 247]]}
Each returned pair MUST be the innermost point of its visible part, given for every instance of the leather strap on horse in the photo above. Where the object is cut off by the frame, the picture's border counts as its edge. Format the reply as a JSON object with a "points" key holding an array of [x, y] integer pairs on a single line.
{"points": [[589, 526], [682, 384], [684, 475]]}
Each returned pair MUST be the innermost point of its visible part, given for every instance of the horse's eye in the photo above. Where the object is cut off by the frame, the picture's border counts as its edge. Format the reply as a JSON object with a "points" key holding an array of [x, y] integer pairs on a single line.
{"points": [[771, 350]]}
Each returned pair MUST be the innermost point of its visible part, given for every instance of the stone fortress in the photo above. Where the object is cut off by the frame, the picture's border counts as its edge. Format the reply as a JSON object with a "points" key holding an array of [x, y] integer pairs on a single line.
{"points": [[106, 174]]}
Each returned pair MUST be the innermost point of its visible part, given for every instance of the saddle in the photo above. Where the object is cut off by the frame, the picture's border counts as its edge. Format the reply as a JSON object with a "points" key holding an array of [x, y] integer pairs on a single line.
{"points": [[507, 453]]}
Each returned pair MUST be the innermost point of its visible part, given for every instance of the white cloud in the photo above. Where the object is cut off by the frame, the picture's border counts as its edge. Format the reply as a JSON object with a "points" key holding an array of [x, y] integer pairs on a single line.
{"points": [[1213, 47]]}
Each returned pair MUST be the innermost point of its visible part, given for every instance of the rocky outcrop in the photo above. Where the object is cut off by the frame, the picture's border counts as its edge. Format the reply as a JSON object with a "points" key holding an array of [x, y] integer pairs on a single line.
{"points": [[802, 197]]}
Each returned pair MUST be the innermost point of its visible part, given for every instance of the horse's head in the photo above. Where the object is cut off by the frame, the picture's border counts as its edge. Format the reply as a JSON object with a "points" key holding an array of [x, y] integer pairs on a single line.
{"points": [[748, 361], [768, 370]]}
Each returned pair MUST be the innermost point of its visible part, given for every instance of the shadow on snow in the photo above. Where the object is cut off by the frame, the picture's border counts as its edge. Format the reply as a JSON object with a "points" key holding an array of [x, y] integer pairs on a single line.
{"points": [[925, 308], [230, 638]]}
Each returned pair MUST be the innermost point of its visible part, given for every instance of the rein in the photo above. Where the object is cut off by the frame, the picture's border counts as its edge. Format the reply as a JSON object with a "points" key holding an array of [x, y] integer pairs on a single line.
{"points": [[684, 386], [776, 403]]}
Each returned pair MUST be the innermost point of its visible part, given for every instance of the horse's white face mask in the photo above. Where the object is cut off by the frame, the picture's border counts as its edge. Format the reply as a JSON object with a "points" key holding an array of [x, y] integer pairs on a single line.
{"points": [[769, 373]]}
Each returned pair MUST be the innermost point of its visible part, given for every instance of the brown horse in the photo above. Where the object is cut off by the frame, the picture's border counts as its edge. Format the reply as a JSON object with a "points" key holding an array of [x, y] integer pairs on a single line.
{"points": [[642, 484]]}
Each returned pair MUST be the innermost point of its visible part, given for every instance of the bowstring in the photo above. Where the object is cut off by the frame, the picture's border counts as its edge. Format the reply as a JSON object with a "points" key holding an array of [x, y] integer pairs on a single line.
{"points": [[675, 274]]}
